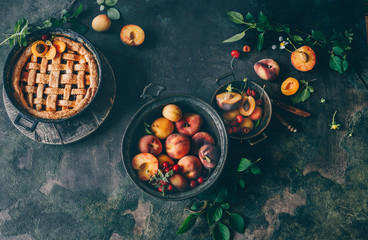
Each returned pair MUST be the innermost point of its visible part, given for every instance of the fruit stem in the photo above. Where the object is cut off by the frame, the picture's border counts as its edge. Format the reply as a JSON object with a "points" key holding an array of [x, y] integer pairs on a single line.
{"points": [[314, 79], [333, 118], [231, 63]]}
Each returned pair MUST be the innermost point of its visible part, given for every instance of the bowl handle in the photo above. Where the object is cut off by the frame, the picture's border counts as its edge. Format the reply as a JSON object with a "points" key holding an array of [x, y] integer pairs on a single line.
{"points": [[28, 128], [224, 76], [257, 141], [159, 87]]}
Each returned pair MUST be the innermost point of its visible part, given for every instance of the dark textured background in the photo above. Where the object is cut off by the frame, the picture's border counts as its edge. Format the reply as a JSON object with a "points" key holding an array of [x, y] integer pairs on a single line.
{"points": [[313, 183]]}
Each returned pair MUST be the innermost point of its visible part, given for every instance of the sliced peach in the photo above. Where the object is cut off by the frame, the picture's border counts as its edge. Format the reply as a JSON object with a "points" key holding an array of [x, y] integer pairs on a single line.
{"points": [[132, 35], [303, 59], [248, 107], [228, 101], [51, 53], [164, 158], [59, 45], [146, 164], [39, 48], [289, 86]]}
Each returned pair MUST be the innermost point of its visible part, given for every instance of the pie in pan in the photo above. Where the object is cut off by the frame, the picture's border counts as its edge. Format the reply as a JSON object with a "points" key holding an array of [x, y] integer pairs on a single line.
{"points": [[55, 79]]}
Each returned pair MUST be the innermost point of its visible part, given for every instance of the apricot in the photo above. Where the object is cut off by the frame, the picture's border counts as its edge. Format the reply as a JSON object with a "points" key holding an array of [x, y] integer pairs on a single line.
{"points": [[172, 112], [230, 115], [146, 164], [247, 123], [303, 59], [162, 127], [51, 53], [132, 35], [59, 45], [248, 107], [164, 158], [101, 23], [256, 114], [289, 86], [39, 48]]}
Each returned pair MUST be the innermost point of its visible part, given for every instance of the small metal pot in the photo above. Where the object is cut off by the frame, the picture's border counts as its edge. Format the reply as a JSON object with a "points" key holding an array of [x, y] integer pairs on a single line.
{"points": [[256, 135], [212, 123], [13, 57]]}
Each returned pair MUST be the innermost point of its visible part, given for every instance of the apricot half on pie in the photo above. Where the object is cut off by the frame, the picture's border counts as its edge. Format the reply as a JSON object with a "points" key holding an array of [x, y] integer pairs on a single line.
{"points": [[57, 81], [303, 59]]}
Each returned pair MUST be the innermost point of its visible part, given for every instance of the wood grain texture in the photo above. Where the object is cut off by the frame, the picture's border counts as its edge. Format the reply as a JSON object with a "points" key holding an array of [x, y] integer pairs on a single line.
{"points": [[75, 129]]}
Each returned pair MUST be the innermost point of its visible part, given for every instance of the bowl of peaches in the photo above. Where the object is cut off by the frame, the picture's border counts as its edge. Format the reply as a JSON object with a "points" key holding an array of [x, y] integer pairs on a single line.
{"points": [[245, 109], [175, 147]]}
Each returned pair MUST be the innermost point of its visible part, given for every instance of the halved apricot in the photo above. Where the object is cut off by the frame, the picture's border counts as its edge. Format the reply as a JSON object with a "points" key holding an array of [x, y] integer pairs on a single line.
{"points": [[303, 59], [51, 53], [248, 107], [289, 86], [39, 48], [59, 45]]}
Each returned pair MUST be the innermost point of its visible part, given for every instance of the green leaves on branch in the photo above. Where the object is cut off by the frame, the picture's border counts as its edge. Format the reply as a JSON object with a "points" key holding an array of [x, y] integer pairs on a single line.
{"points": [[246, 165], [112, 12], [304, 93], [337, 43], [19, 35], [221, 232]]}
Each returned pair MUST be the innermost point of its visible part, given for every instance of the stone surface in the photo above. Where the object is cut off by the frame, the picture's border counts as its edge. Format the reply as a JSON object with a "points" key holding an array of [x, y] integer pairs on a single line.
{"points": [[313, 183]]}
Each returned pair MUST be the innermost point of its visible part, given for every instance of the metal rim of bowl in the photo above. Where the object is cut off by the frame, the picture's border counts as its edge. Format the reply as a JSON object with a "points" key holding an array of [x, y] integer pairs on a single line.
{"points": [[222, 143], [259, 90], [16, 51]]}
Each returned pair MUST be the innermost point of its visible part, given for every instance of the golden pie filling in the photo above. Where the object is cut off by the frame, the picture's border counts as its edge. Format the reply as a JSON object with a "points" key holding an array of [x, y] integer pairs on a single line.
{"points": [[55, 84]]}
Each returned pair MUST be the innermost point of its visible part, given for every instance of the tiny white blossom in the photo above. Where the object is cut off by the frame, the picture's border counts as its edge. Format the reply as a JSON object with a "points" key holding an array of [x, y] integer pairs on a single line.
{"points": [[274, 47], [281, 39], [283, 44]]}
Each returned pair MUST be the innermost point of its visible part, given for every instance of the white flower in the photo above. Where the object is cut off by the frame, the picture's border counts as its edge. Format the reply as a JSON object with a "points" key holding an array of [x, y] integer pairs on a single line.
{"points": [[274, 47], [283, 44]]}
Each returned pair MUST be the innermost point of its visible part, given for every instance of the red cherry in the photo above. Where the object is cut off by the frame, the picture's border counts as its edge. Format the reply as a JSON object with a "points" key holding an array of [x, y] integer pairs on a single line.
{"points": [[239, 118], [245, 130], [165, 164], [192, 184], [200, 180], [167, 170], [235, 54], [176, 168], [169, 187], [252, 93], [248, 92], [259, 102], [45, 37], [160, 189]]}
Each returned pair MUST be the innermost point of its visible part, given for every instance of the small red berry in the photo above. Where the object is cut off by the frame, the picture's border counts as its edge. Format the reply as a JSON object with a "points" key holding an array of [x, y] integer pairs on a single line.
{"points": [[252, 93], [45, 37], [248, 92], [163, 183], [239, 118], [246, 48], [245, 130], [176, 168], [192, 184], [258, 102], [200, 180], [160, 189], [165, 164], [235, 54], [169, 187], [167, 170], [229, 130]]}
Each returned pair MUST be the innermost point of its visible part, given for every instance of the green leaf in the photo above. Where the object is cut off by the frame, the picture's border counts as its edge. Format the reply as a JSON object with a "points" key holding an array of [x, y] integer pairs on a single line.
{"points": [[235, 38], [77, 11], [262, 18], [249, 17], [79, 27], [304, 94], [297, 38], [345, 65], [338, 50], [113, 13], [221, 232], [111, 3], [335, 64], [303, 82], [257, 123], [319, 36], [237, 223], [196, 205], [221, 195], [214, 214], [241, 183], [100, 2], [187, 224], [235, 17], [260, 41], [244, 165], [255, 170], [225, 206]]}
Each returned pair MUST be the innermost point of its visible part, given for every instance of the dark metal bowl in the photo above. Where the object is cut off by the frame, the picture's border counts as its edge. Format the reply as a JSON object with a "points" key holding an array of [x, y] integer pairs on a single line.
{"points": [[267, 108], [212, 123], [14, 55]]}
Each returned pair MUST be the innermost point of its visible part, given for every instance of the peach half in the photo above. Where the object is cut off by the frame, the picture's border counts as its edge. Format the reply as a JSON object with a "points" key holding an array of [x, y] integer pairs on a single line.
{"points": [[132, 35], [303, 59], [289, 86]]}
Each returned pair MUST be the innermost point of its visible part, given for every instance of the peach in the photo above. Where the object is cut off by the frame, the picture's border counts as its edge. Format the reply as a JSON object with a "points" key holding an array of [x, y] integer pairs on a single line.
{"points": [[101, 23], [146, 164], [303, 59], [164, 158], [267, 69], [172, 112], [189, 124], [191, 166], [162, 127], [228, 101], [179, 182], [256, 114], [150, 144], [209, 155], [247, 123], [177, 145], [248, 107], [199, 139], [289, 86], [132, 35], [230, 115]]}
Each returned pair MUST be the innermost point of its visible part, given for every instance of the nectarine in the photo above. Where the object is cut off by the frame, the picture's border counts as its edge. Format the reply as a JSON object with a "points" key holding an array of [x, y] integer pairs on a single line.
{"points": [[189, 124], [177, 145], [199, 139], [150, 144]]}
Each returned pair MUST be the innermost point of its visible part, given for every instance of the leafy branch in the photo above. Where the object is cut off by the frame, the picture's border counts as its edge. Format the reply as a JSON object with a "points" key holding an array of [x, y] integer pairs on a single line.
{"points": [[112, 12], [304, 93], [337, 43], [216, 205]]}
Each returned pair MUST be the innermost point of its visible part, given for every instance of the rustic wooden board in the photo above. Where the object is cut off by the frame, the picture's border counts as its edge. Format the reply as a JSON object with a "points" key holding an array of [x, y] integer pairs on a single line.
{"points": [[70, 131]]}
